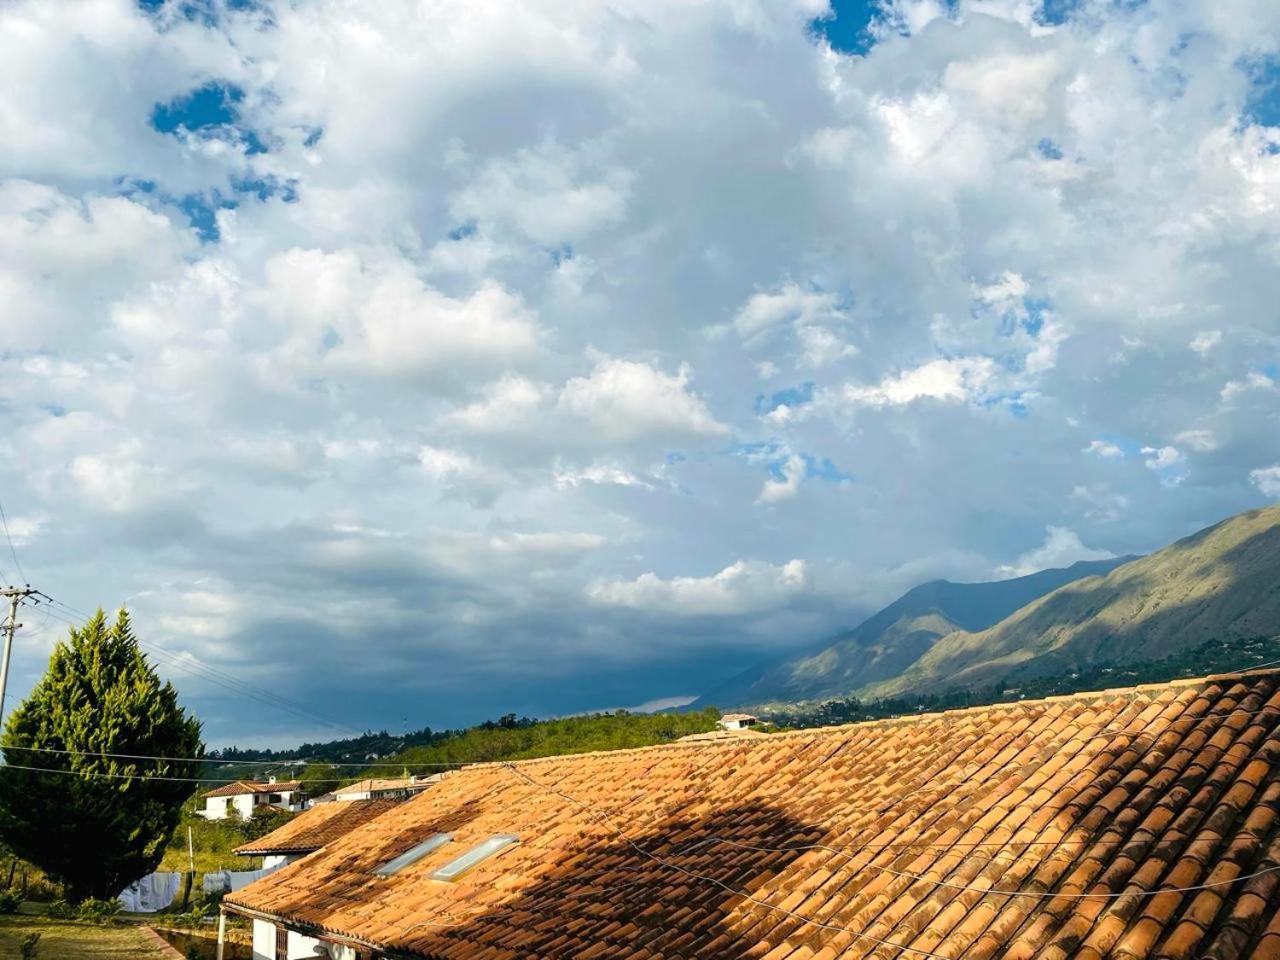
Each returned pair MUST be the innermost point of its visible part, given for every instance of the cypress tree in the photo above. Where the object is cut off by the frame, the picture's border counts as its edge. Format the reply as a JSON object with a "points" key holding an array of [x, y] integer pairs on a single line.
{"points": [[94, 822]]}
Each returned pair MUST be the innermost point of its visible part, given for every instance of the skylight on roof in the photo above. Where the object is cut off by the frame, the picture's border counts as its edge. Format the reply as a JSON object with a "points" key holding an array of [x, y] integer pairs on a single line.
{"points": [[455, 868], [414, 854]]}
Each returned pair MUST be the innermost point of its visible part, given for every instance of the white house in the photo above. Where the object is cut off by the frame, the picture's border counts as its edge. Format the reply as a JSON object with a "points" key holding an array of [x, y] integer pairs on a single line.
{"points": [[245, 796], [738, 721], [382, 788]]}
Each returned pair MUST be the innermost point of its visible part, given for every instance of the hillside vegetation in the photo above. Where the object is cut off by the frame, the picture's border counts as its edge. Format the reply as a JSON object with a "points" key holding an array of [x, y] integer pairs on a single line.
{"points": [[1212, 656], [517, 739], [890, 641], [1219, 584]]}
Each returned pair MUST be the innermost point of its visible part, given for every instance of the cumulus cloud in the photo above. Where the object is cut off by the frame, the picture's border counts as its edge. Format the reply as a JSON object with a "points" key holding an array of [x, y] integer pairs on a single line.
{"points": [[625, 400], [793, 470], [1267, 480], [1061, 548], [742, 587], [960, 380], [379, 318], [1104, 449], [1199, 440], [429, 380], [1203, 342], [1253, 382], [1161, 458]]}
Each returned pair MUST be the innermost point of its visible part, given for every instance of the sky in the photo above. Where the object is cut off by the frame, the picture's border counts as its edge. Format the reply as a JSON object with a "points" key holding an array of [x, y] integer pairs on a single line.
{"points": [[420, 362]]}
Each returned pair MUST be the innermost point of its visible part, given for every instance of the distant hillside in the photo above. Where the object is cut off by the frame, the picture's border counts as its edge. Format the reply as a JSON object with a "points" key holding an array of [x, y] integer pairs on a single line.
{"points": [[512, 739], [1218, 584], [890, 641]]}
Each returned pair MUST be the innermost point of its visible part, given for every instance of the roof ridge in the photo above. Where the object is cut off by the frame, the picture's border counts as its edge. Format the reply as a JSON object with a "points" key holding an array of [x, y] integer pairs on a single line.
{"points": [[1173, 684]]}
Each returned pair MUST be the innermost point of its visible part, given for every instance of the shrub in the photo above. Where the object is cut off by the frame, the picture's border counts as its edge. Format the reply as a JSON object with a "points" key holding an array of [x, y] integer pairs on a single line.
{"points": [[10, 900], [61, 910], [43, 890], [97, 910], [28, 946]]}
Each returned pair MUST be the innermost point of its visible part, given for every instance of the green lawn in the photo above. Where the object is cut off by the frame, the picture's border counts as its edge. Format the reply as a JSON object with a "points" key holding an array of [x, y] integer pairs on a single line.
{"points": [[68, 940]]}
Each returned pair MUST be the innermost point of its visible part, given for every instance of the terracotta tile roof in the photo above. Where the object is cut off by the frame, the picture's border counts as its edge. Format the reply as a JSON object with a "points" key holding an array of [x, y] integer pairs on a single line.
{"points": [[885, 839], [241, 787], [377, 785], [312, 829]]}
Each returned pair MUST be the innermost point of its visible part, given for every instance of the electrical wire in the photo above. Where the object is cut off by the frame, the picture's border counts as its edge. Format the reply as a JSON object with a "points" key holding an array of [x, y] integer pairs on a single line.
{"points": [[600, 817], [728, 888], [195, 667], [255, 763], [12, 552], [454, 764], [229, 681]]}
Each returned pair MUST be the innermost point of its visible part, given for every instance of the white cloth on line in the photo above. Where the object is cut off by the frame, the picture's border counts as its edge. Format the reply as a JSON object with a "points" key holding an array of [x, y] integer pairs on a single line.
{"points": [[153, 892], [229, 881]]}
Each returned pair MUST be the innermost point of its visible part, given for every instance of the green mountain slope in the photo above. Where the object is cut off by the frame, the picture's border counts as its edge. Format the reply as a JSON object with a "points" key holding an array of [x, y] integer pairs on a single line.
{"points": [[1218, 584], [889, 642]]}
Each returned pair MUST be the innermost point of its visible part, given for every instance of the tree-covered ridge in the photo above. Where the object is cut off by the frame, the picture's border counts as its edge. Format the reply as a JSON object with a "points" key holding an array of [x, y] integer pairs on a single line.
{"points": [[1212, 656], [518, 739]]}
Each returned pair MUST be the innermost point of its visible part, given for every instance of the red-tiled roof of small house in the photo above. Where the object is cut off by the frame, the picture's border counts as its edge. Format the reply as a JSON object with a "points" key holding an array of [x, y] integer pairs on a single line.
{"points": [[386, 785], [1127, 824], [312, 829], [242, 787]]}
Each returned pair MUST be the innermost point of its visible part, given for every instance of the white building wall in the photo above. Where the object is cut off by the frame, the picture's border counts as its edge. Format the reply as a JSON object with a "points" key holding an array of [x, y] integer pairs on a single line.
{"points": [[264, 940]]}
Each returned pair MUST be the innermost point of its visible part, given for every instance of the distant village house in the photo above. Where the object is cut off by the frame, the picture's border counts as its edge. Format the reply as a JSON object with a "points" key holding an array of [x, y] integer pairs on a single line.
{"points": [[244, 797], [380, 788], [738, 721]]}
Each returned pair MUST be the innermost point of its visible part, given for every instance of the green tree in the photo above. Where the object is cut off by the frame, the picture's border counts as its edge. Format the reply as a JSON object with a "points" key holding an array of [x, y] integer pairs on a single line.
{"points": [[95, 822], [319, 778]]}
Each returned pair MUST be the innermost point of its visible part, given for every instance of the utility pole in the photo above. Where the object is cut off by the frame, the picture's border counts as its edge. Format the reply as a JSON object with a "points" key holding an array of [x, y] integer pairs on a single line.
{"points": [[15, 596]]}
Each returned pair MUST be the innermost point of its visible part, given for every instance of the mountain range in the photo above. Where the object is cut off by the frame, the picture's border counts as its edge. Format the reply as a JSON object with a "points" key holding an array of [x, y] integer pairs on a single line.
{"points": [[1220, 583]]}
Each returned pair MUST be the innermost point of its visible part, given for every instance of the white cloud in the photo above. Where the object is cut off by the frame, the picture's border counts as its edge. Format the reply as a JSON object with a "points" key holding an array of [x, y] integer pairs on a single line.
{"points": [[377, 317], [1104, 449], [1267, 480], [25, 530], [741, 587], [547, 193], [1161, 458], [598, 473], [960, 380], [1251, 383], [355, 405], [119, 480], [624, 400], [1201, 441], [510, 403], [775, 490], [1102, 504], [1061, 548], [1204, 341]]}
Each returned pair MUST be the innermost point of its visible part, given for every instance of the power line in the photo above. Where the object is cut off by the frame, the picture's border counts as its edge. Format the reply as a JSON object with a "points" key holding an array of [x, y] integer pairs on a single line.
{"points": [[452, 764], [195, 667], [692, 875], [12, 552], [215, 760], [192, 665], [600, 817]]}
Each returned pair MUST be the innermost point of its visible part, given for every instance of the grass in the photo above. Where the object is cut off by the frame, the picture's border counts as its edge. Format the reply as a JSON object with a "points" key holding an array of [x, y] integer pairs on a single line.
{"points": [[64, 939], [213, 841]]}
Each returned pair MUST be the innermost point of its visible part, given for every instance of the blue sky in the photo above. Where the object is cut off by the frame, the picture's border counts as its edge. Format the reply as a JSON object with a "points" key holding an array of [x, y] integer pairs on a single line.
{"points": [[428, 361]]}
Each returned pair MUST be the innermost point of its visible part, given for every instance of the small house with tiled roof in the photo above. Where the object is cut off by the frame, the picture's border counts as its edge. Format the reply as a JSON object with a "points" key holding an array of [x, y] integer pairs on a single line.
{"points": [[1128, 824], [245, 797], [312, 829], [382, 788], [737, 721]]}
